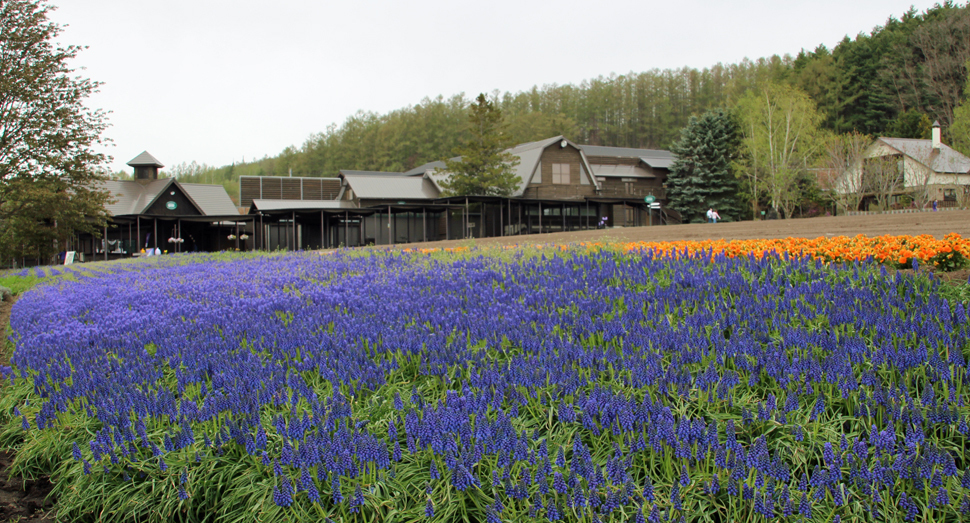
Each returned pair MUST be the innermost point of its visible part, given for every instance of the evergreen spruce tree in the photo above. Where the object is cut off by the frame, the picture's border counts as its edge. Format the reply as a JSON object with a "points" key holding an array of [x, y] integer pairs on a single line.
{"points": [[701, 177], [485, 168]]}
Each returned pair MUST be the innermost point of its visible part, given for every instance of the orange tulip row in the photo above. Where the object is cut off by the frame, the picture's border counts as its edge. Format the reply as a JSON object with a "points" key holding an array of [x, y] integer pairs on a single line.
{"points": [[948, 253]]}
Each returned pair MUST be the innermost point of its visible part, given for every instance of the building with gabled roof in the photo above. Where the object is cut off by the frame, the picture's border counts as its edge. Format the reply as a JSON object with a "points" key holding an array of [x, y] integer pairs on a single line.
{"points": [[148, 212], [928, 170], [561, 186]]}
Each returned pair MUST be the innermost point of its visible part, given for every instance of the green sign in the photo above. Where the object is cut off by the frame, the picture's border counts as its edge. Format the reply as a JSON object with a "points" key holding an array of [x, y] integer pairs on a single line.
{"points": [[170, 205], [650, 198]]}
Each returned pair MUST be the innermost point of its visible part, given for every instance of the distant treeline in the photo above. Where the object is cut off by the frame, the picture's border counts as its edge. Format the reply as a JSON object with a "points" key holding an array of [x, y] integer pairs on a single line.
{"points": [[892, 81]]}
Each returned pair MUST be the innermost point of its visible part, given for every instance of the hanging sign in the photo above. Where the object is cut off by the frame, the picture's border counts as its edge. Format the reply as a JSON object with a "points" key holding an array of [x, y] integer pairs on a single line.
{"points": [[170, 205]]}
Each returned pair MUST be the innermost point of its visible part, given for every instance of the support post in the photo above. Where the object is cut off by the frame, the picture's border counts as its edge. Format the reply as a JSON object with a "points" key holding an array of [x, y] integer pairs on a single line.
{"points": [[155, 223], [424, 223], [346, 229], [540, 217], [447, 226], [105, 242], [322, 237]]}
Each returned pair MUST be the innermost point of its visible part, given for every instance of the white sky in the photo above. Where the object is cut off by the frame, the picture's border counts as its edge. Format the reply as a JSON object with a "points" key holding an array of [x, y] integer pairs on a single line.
{"points": [[217, 81]]}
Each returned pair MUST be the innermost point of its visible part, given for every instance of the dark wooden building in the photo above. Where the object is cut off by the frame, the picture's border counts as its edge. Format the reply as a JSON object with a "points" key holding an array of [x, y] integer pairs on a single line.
{"points": [[148, 212], [562, 187]]}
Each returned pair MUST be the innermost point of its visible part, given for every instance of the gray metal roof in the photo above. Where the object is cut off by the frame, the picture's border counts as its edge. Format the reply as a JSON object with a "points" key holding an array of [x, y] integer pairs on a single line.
{"points": [[145, 159], [301, 205], [371, 173], [944, 160], [421, 169], [134, 198], [213, 200], [625, 152], [390, 187], [659, 163]]}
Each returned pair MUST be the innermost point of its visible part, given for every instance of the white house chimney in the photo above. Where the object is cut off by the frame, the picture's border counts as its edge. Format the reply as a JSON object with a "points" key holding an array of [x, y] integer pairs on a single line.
{"points": [[936, 135]]}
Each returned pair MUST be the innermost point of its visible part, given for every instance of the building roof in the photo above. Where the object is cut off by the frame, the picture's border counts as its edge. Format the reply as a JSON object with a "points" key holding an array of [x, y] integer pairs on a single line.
{"points": [[371, 173], [300, 205], [133, 198], [392, 186], [421, 169], [212, 200], [659, 163], [529, 155], [944, 160], [625, 152], [144, 159]]}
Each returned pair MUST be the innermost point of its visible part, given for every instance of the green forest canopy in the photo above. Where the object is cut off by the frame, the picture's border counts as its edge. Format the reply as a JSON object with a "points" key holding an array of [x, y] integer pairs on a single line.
{"points": [[915, 64]]}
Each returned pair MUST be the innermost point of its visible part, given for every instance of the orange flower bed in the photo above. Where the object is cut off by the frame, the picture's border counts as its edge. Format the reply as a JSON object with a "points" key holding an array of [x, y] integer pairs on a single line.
{"points": [[947, 254]]}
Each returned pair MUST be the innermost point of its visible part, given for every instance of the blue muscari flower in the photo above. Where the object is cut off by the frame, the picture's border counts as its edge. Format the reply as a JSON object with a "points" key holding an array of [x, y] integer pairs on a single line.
{"points": [[335, 487], [552, 514], [942, 497], [648, 493], [559, 483], [283, 493], [805, 507], [183, 495], [675, 498], [429, 509], [76, 451]]}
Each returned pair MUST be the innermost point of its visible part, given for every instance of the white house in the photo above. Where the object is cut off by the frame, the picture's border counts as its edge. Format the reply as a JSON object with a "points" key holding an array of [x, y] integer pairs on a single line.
{"points": [[930, 170]]}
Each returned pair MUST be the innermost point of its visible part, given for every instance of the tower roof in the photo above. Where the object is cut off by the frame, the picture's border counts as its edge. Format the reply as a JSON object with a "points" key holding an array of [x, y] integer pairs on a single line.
{"points": [[144, 159]]}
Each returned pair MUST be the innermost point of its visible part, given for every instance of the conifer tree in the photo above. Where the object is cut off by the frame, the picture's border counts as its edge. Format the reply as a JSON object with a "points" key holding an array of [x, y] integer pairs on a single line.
{"points": [[701, 177], [484, 169]]}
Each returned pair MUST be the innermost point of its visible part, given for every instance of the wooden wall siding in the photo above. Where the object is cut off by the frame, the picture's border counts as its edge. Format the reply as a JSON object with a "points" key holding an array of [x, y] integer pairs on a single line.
{"points": [[292, 189], [272, 188], [276, 188], [542, 186], [616, 187], [248, 191], [184, 206]]}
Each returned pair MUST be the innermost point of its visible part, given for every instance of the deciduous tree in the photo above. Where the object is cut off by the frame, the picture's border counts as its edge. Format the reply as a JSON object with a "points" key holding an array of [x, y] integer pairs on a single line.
{"points": [[836, 179], [959, 132], [49, 170], [781, 139]]}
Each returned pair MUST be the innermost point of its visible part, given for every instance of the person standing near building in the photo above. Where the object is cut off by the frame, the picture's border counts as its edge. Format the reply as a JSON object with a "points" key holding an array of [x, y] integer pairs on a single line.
{"points": [[715, 216], [934, 205], [710, 215]]}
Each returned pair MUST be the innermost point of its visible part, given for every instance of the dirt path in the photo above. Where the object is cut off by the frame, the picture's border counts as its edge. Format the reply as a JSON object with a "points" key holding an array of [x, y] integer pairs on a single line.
{"points": [[21, 501], [937, 224]]}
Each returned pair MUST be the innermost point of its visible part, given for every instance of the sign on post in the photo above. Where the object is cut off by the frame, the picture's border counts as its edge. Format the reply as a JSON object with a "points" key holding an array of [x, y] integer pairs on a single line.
{"points": [[649, 198]]}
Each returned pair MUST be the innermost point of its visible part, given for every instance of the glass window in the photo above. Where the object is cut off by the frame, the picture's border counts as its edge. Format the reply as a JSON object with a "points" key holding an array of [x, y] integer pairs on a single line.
{"points": [[560, 173], [949, 195]]}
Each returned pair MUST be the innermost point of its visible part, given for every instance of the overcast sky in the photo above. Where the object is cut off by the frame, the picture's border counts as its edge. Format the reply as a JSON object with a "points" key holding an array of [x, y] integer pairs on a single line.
{"points": [[218, 81]]}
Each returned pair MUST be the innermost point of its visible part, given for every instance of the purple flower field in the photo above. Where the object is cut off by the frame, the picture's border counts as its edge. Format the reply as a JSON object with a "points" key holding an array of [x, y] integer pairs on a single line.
{"points": [[581, 386]]}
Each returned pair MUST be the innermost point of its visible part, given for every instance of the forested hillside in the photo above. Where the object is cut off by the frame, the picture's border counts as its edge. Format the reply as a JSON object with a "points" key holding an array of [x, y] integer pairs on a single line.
{"points": [[893, 81]]}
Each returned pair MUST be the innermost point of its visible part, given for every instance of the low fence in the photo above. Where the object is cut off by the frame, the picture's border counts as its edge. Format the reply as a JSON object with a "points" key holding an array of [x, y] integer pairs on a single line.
{"points": [[904, 211]]}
